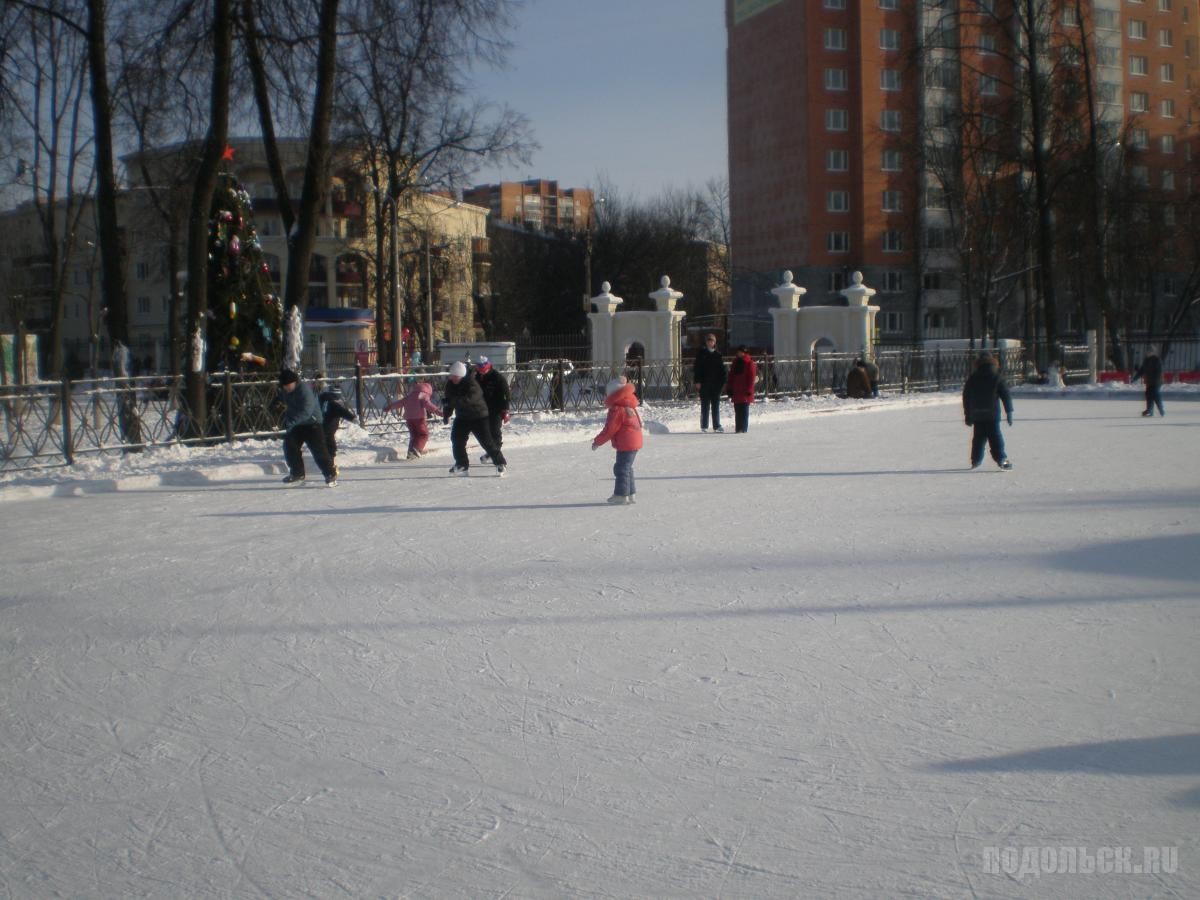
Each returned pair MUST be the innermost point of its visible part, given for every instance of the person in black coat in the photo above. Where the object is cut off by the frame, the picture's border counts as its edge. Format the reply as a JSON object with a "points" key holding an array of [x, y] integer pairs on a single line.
{"points": [[982, 396], [463, 398], [1151, 373], [708, 376], [496, 396], [333, 411]]}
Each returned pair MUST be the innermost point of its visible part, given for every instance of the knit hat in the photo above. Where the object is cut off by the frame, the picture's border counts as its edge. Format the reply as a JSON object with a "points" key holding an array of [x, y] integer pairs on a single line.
{"points": [[287, 376], [484, 364], [458, 368], [615, 385]]}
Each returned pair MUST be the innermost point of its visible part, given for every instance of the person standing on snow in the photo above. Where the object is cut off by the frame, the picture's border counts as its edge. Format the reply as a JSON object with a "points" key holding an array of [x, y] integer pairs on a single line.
{"points": [[302, 422], [497, 398], [982, 395], [1151, 373], [463, 398], [708, 376], [624, 428], [743, 374]]}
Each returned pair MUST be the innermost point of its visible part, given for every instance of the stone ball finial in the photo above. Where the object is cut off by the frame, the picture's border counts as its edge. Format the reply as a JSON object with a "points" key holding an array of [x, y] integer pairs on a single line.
{"points": [[605, 287], [857, 277], [787, 276], [665, 281]]}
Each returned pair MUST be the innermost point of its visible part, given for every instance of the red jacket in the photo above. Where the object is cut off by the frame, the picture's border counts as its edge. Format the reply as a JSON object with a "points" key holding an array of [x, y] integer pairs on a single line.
{"points": [[741, 383], [623, 426]]}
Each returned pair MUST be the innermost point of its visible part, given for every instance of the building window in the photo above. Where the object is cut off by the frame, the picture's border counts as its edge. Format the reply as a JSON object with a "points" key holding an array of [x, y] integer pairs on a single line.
{"points": [[835, 4], [889, 4], [932, 281], [837, 201], [837, 281], [1107, 92], [1167, 143], [837, 241], [143, 306], [1108, 56], [837, 120], [837, 160], [893, 281], [890, 322], [938, 238], [890, 119], [1137, 65], [1139, 101], [1139, 138], [1168, 109], [891, 161], [1168, 180], [836, 80], [935, 197], [893, 201], [142, 271], [889, 79], [1106, 18], [987, 43], [1166, 72], [989, 85], [1137, 30], [893, 241], [1069, 18], [1165, 38], [835, 38], [889, 39], [1168, 212], [1164, 5], [1139, 175]]}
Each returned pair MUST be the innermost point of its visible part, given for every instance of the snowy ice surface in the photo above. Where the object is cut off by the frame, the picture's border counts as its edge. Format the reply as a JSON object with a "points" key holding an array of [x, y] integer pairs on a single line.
{"points": [[822, 659]]}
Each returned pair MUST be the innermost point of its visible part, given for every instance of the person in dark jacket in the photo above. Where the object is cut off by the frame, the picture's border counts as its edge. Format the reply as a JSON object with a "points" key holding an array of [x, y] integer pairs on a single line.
{"points": [[463, 398], [708, 376], [982, 396], [1151, 373], [496, 396], [873, 374], [333, 412], [858, 382], [302, 422], [743, 374]]}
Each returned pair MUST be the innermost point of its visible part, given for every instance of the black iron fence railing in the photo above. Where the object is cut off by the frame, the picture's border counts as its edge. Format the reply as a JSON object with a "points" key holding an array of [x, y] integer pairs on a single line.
{"points": [[55, 423]]}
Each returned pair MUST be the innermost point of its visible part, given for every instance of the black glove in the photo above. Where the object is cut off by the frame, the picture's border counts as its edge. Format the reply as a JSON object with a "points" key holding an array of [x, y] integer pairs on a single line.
{"points": [[1010, 420], [969, 422]]}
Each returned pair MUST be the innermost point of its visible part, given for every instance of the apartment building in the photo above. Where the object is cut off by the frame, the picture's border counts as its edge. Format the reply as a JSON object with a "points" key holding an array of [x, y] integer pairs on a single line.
{"points": [[837, 107], [536, 203]]}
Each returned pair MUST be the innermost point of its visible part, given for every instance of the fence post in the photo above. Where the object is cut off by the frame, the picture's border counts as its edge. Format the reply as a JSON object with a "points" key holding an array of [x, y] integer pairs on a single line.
{"points": [[358, 390], [1093, 357], [65, 396], [228, 392], [816, 371], [937, 366]]}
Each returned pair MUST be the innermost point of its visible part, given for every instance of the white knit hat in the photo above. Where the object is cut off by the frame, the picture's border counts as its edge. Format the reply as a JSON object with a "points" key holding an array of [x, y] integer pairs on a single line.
{"points": [[615, 385], [458, 368]]}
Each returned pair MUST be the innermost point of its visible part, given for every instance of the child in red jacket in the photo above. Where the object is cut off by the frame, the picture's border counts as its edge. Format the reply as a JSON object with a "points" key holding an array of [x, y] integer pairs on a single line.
{"points": [[414, 405], [624, 428]]}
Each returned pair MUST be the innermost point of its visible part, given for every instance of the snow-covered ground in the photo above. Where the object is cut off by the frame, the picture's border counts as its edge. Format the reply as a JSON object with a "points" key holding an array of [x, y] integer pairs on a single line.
{"points": [[822, 659]]}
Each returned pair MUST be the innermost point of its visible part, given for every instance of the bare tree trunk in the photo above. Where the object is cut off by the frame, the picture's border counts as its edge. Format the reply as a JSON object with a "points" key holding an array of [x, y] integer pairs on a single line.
{"points": [[1045, 221]]}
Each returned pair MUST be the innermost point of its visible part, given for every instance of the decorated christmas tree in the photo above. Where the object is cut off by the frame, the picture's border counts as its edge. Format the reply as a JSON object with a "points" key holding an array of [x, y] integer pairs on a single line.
{"points": [[245, 314]]}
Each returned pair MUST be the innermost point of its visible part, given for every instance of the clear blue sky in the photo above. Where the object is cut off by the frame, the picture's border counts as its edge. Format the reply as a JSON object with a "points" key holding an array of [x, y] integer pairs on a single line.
{"points": [[629, 90]]}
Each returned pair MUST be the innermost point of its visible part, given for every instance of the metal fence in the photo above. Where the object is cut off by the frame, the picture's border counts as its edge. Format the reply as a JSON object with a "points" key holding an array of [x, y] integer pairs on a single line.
{"points": [[55, 423]]}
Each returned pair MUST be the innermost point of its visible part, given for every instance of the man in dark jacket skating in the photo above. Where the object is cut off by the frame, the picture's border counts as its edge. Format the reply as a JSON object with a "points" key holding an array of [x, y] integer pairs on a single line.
{"points": [[1151, 373], [463, 398], [982, 395], [496, 396], [302, 424]]}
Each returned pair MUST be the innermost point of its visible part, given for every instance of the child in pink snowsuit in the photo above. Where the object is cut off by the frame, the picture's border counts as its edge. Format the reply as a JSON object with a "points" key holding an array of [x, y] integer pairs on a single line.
{"points": [[414, 405]]}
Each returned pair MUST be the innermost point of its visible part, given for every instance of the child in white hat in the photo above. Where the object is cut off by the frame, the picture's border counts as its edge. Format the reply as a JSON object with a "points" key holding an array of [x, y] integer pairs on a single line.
{"points": [[624, 428]]}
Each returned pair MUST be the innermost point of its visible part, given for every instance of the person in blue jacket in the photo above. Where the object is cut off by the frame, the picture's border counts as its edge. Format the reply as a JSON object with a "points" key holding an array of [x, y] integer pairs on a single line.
{"points": [[982, 396], [302, 424]]}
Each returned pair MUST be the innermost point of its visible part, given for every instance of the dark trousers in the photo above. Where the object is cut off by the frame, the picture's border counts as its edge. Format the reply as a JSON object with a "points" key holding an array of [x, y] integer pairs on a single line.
{"points": [[1154, 398], [463, 429], [331, 429], [987, 433], [710, 402], [741, 417], [496, 423], [312, 435]]}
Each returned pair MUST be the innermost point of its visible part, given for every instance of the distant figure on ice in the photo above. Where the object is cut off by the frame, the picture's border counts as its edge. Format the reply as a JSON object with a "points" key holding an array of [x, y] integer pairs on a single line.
{"points": [[743, 374], [413, 406], [302, 422], [463, 398], [1151, 373], [982, 395], [497, 398], [624, 428], [708, 376], [858, 382], [1054, 375], [333, 412]]}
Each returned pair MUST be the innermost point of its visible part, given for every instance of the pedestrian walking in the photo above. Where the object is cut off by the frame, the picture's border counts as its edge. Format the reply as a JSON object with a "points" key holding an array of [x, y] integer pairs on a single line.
{"points": [[623, 427], [1151, 373], [302, 424], [743, 375], [983, 393], [463, 398], [708, 376], [496, 396], [333, 412], [414, 406]]}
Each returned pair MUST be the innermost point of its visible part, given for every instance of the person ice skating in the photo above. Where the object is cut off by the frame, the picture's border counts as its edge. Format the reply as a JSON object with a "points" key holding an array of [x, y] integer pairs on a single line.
{"points": [[624, 428], [496, 396], [1151, 373], [302, 422], [413, 406], [708, 376], [333, 412], [982, 396], [858, 382], [743, 374], [463, 398]]}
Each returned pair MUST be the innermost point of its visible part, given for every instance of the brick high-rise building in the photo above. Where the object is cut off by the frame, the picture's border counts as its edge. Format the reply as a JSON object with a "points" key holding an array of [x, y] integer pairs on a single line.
{"points": [[834, 106], [537, 203]]}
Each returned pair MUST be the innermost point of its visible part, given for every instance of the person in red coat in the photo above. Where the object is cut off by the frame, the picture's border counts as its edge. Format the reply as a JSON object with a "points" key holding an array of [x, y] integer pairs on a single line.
{"points": [[742, 375], [624, 428]]}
